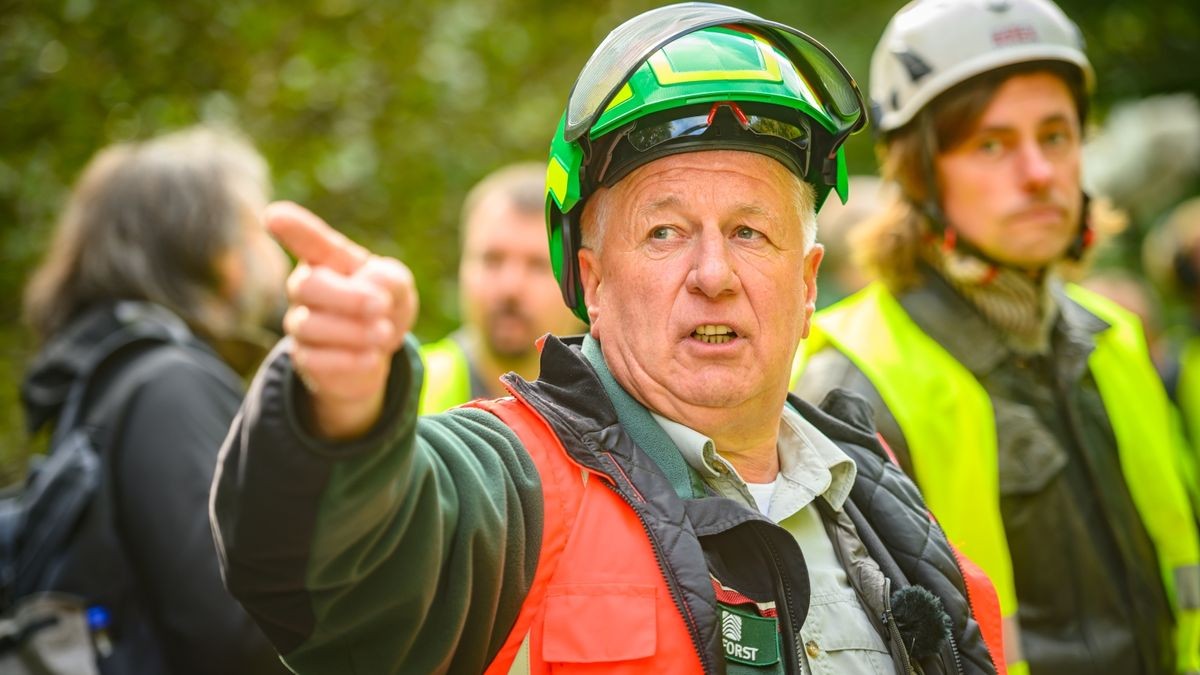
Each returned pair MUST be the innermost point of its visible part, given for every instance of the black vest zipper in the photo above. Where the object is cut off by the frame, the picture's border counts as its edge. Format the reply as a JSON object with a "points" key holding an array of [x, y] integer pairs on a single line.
{"points": [[668, 574], [783, 594]]}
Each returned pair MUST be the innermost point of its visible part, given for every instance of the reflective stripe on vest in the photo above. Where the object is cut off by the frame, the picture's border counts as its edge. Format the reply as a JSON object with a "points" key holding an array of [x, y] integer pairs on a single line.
{"points": [[598, 601], [941, 408], [447, 377]]}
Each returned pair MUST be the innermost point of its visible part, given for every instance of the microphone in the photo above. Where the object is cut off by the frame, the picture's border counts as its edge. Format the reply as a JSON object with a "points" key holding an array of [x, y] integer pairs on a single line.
{"points": [[923, 622]]}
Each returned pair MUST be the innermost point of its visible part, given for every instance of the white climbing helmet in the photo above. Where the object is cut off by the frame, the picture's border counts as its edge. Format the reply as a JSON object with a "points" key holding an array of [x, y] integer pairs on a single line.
{"points": [[930, 46]]}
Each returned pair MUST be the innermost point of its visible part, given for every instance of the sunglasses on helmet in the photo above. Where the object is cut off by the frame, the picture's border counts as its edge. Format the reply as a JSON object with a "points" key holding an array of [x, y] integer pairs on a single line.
{"points": [[724, 123]]}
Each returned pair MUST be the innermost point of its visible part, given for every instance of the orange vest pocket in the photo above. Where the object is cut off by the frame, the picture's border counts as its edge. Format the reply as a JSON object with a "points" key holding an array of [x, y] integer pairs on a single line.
{"points": [[599, 623]]}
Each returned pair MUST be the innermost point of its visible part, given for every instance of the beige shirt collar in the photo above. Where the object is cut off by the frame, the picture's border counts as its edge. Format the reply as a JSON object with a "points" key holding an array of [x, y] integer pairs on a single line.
{"points": [[810, 465]]}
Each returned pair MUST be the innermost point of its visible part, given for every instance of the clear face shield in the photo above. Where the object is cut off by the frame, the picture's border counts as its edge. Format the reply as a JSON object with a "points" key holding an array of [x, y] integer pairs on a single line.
{"points": [[636, 40]]}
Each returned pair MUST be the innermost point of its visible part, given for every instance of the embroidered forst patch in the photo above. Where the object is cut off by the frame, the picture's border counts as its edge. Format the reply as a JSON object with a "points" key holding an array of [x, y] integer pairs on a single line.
{"points": [[749, 638]]}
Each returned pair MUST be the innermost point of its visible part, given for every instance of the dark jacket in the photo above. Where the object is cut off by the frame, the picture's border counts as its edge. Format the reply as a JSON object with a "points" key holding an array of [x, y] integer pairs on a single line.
{"points": [[385, 531], [171, 612], [1085, 570]]}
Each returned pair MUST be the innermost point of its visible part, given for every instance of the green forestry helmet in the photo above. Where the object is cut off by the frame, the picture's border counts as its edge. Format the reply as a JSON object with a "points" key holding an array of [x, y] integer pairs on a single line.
{"points": [[689, 77]]}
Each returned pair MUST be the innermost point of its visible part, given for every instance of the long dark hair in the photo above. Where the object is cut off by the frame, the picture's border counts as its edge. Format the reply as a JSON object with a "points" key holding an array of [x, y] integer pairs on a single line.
{"points": [[148, 221]]}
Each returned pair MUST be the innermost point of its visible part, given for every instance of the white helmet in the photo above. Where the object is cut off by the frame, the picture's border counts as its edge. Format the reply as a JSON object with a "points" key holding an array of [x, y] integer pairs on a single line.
{"points": [[930, 46]]}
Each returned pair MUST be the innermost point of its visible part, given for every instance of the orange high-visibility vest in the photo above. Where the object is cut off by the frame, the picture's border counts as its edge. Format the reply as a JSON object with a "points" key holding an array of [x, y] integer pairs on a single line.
{"points": [[598, 601]]}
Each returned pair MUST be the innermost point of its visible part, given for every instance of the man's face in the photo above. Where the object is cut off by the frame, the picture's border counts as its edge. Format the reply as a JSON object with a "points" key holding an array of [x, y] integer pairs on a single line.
{"points": [[702, 288], [506, 285], [269, 267], [1012, 187], [254, 273]]}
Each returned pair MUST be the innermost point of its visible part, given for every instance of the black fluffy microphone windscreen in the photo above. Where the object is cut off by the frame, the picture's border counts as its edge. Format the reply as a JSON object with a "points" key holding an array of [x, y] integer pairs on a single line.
{"points": [[923, 622]]}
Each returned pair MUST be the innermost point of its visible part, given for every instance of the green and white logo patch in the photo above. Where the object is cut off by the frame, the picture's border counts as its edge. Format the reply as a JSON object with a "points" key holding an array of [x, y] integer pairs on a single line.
{"points": [[749, 638]]}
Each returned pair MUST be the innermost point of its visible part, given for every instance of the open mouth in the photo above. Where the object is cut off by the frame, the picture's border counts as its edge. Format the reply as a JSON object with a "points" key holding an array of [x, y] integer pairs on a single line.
{"points": [[714, 334]]}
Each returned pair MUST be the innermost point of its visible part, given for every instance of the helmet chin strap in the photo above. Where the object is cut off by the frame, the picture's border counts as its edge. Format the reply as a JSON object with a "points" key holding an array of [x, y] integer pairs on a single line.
{"points": [[1086, 236], [931, 207]]}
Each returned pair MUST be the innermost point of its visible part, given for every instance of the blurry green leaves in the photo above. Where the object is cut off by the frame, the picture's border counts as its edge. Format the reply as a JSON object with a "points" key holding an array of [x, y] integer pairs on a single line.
{"points": [[348, 165], [219, 107], [52, 57], [298, 74], [156, 32], [448, 60], [77, 10], [380, 115]]}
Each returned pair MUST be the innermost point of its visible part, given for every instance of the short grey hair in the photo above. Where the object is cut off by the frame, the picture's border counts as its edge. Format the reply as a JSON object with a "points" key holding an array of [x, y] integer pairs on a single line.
{"points": [[149, 221], [806, 204]]}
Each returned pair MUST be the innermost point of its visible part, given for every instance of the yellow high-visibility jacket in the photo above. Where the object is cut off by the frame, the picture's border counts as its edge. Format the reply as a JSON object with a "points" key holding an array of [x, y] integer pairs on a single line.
{"points": [[942, 409]]}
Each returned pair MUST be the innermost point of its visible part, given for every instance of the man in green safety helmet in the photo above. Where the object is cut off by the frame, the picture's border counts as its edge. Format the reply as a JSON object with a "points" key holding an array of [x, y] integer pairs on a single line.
{"points": [[1026, 409], [654, 502]]}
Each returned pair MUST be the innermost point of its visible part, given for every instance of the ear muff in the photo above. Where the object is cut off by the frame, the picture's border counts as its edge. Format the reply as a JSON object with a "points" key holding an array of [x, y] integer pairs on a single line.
{"points": [[570, 281]]}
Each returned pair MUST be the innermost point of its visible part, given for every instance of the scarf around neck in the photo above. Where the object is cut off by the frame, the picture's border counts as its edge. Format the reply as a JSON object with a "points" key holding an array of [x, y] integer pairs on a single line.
{"points": [[1016, 302]]}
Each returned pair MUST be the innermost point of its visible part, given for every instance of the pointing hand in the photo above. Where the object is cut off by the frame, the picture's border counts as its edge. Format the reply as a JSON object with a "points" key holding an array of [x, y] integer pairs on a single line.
{"points": [[348, 313]]}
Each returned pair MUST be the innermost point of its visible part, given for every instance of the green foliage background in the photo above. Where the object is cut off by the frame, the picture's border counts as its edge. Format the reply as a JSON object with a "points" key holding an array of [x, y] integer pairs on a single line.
{"points": [[380, 115]]}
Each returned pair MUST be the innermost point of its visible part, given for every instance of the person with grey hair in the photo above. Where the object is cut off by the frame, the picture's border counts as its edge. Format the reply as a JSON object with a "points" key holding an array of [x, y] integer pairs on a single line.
{"points": [[506, 290], [161, 237]]}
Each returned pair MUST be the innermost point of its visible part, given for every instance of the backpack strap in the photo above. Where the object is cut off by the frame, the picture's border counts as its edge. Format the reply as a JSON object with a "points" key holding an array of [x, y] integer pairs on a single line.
{"points": [[121, 349], [136, 334]]}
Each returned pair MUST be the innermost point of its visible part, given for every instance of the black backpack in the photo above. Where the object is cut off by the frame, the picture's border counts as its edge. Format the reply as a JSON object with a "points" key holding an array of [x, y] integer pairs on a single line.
{"points": [[63, 570]]}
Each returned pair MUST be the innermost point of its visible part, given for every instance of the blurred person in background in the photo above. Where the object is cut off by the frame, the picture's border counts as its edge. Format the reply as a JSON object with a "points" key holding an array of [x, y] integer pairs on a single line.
{"points": [[163, 232], [1171, 257], [1027, 410], [841, 274], [507, 293], [1145, 157], [1139, 297]]}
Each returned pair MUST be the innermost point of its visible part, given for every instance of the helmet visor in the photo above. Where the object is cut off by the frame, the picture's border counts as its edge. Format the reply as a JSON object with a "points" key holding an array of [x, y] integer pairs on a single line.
{"points": [[634, 41]]}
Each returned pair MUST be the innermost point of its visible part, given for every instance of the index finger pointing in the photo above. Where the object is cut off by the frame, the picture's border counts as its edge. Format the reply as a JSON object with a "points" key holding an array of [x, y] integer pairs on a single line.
{"points": [[311, 239]]}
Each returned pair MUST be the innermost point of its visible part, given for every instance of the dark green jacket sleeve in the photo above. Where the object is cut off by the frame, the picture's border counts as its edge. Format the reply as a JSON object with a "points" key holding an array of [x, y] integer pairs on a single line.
{"points": [[407, 550]]}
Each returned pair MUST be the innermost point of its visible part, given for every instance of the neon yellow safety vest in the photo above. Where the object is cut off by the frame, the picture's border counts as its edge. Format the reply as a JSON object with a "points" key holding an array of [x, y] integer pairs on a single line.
{"points": [[1188, 395], [942, 408], [447, 376], [1189, 387]]}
